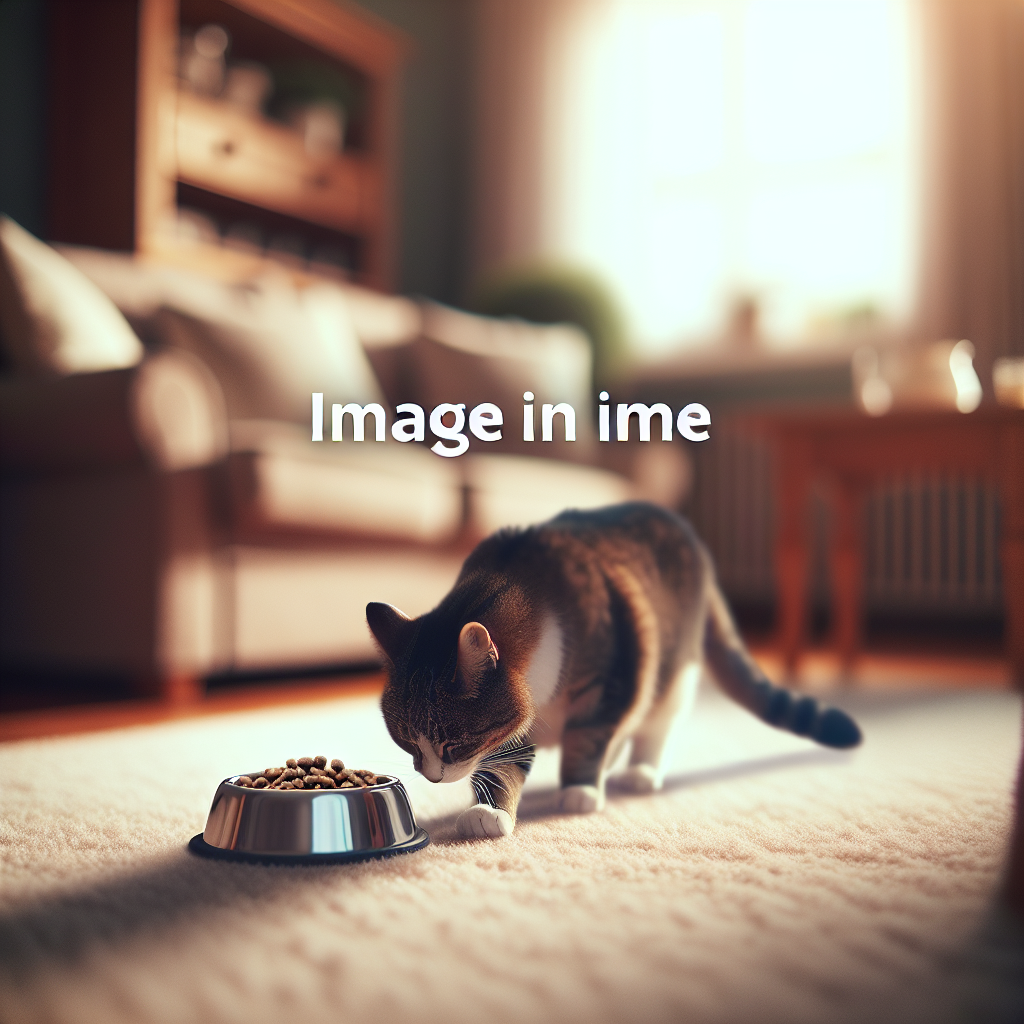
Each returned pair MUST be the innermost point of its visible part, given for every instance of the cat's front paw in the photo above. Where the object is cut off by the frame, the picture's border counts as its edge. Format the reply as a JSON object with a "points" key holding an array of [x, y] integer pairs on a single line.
{"points": [[484, 822], [580, 800], [640, 778]]}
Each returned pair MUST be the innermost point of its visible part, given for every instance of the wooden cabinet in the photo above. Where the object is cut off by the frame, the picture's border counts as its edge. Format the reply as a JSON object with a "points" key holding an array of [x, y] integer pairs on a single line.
{"points": [[131, 148]]}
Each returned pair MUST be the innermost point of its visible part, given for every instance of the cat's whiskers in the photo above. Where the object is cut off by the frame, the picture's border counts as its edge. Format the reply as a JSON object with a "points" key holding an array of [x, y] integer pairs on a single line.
{"points": [[511, 753]]}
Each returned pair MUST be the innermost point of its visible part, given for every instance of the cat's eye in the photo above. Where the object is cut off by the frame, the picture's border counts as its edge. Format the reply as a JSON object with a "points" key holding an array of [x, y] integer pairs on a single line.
{"points": [[453, 753]]}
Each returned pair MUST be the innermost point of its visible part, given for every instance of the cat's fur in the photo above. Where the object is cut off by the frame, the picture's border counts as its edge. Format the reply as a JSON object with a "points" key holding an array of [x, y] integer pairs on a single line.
{"points": [[586, 631]]}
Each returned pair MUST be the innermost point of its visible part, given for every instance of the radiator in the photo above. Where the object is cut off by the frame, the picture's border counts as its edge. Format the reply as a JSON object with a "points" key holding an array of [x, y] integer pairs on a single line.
{"points": [[731, 507], [931, 544]]}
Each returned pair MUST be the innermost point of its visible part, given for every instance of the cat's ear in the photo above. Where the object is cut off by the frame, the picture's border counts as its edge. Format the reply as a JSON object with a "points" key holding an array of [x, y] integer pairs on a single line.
{"points": [[477, 654], [389, 628]]}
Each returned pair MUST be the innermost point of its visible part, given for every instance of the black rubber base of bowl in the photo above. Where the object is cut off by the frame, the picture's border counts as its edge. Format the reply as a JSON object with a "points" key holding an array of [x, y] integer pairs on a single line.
{"points": [[200, 846]]}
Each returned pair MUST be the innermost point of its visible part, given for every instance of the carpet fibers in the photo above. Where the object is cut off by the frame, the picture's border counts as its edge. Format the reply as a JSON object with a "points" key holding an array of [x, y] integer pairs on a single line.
{"points": [[771, 881]]}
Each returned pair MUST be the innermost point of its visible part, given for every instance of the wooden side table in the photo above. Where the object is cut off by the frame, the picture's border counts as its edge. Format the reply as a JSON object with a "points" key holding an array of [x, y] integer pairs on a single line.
{"points": [[850, 451]]}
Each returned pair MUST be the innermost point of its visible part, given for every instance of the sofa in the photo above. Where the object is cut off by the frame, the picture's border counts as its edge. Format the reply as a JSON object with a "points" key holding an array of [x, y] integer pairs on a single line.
{"points": [[166, 517]]}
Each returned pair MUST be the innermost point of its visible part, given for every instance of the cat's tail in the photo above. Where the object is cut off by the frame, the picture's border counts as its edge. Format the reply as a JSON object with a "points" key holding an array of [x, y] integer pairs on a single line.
{"points": [[738, 674]]}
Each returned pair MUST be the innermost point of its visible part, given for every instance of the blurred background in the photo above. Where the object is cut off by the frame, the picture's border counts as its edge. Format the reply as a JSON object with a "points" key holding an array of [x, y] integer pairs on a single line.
{"points": [[807, 215]]}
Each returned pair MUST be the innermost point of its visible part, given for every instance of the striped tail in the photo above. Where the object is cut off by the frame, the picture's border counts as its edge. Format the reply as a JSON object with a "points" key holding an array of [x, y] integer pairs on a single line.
{"points": [[738, 674]]}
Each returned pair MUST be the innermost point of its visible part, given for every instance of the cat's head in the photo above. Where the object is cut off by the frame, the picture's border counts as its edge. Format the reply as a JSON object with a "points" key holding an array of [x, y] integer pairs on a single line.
{"points": [[451, 698]]}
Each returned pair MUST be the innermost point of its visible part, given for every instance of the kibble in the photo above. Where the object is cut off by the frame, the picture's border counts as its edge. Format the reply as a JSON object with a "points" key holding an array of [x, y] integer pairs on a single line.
{"points": [[312, 773]]}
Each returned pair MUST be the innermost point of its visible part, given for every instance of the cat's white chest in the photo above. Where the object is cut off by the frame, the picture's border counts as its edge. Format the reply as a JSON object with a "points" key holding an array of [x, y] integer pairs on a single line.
{"points": [[545, 666], [549, 724], [542, 676]]}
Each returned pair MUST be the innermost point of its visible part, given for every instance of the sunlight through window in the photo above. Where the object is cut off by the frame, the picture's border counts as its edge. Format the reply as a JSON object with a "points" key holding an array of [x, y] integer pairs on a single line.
{"points": [[744, 148]]}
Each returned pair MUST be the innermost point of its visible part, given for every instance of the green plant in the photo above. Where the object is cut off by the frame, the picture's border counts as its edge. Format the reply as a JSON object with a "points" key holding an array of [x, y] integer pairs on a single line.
{"points": [[552, 294]]}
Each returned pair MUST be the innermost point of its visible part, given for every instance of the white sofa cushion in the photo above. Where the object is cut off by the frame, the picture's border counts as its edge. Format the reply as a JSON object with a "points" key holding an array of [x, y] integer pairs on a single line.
{"points": [[53, 318], [294, 608], [271, 348], [283, 482], [512, 490]]}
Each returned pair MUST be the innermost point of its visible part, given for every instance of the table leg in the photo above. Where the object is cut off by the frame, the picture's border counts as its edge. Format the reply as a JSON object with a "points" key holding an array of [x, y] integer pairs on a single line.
{"points": [[1011, 450], [846, 551], [791, 567], [791, 549]]}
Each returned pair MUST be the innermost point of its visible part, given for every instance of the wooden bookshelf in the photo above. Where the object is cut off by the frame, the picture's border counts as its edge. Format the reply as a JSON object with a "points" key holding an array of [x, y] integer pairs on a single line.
{"points": [[220, 149], [129, 145]]}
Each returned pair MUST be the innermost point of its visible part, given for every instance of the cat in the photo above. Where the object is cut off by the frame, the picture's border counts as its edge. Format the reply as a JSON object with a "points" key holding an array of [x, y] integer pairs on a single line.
{"points": [[589, 631]]}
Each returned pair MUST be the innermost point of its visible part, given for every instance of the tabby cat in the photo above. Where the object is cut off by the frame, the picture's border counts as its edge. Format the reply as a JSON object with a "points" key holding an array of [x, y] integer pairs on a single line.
{"points": [[587, 631]]}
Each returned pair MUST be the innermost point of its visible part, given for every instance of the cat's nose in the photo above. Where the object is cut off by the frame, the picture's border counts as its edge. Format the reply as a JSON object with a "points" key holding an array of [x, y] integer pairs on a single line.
{"points": [[430, 766]]}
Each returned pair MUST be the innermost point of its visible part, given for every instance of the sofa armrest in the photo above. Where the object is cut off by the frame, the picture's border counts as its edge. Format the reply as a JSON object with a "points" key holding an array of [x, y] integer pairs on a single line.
{"points": [[168, 412]]}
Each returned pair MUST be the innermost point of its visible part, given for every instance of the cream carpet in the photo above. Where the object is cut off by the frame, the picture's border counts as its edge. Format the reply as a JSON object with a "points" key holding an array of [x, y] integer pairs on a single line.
{"points": [[771, 881]]}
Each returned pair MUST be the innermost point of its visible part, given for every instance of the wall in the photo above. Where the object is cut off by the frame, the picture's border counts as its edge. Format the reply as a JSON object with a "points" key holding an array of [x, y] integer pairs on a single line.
{"points": [[436, 138], [23, 112]]}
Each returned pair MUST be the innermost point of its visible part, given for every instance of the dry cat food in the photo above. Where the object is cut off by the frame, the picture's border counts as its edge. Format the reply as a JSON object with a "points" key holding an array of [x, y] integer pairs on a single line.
{"points": [[312, 773]]}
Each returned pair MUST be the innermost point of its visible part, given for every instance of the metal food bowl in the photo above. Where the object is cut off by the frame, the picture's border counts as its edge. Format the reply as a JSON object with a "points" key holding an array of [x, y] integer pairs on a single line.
{"points": [[310, 825]]}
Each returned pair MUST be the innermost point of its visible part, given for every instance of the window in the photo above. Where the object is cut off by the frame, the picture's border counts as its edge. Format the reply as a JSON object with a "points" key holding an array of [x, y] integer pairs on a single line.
{"points": [[727, 149]]}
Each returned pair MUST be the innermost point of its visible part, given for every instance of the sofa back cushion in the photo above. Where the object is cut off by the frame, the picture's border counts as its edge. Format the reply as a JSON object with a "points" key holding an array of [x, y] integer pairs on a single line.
{"points": [[271, 347], [53, 319], [461, 357]]}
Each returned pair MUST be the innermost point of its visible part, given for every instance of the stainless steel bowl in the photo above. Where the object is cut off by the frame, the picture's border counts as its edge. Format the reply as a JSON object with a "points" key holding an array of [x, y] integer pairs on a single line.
{"points": [[312, 825]]}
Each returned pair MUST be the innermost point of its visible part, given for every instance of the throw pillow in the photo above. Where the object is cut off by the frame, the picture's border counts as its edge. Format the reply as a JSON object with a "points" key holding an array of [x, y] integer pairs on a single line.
{"points": [[53, 319]]}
